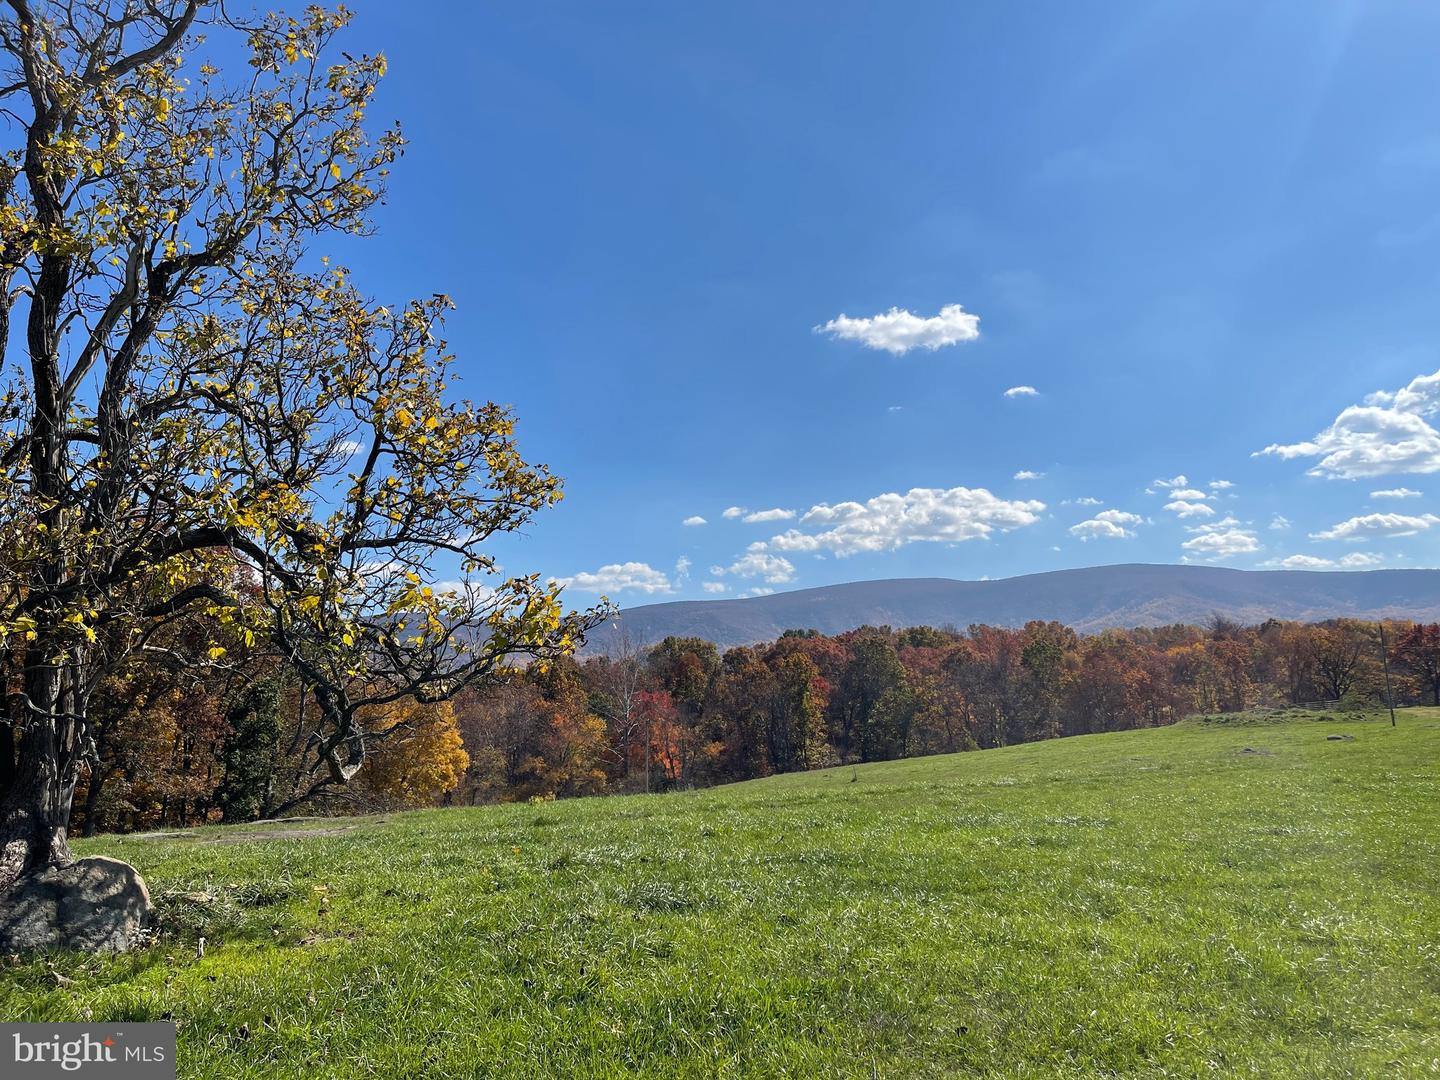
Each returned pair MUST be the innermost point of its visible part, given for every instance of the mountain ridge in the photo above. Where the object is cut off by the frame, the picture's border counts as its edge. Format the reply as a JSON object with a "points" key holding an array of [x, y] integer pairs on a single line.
{"points": [[1089, 599]]}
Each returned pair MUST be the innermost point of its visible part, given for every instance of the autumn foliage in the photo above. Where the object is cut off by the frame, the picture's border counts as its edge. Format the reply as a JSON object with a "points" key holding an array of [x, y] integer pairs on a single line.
{"points": [[174, 750]]}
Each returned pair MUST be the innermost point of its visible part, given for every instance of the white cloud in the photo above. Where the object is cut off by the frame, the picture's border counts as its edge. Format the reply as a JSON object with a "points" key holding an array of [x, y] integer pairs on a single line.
{"points": [[1314, 562], [732, 512], [1107, 525], [1279, 522], [1395, 493], [1184, 509], [1085, 501], [776, 514], [1028, 474], [1220, 485], [890, 521], [620, 577], [1221, 539], [1302, 562], [760, 590], [713, 586], [774, 569], [1389, 433], [694, 519], [1180, 481], [897, 331], [1365, 526], [1022, 391], [1361, 558], [682, 567], [1188, 494], [349, 448]]}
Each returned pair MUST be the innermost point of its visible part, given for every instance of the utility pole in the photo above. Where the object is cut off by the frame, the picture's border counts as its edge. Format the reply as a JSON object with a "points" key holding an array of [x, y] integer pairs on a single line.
{"points": [[1385, 659]]}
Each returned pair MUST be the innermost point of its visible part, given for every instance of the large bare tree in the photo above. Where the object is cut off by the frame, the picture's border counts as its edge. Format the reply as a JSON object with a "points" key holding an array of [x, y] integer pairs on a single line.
{"points": [[202, 418]]}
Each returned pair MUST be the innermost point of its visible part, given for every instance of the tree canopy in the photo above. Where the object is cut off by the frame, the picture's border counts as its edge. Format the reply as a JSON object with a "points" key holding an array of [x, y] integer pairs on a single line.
{"points": [[205, 422]]}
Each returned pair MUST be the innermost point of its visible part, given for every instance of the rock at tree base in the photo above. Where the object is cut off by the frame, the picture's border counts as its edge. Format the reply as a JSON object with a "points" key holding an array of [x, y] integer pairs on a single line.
{"points": [[98, 905]]}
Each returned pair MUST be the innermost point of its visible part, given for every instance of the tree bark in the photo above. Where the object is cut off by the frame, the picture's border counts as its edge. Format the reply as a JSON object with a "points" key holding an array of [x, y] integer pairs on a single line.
{"points": [[7, 757], [98, 776], [35, 816]]}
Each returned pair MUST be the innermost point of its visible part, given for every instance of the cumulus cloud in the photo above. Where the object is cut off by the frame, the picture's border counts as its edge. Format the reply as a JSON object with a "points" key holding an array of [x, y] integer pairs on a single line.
{"points": [[682, 567], [1221, 540], [1107, 525], [1028, 474], [897, 331], [1301, 562], [1279, 522], [1395, 493], [774, 569], [1360, 558], [1367, 526], [1086, 500], [620, 577], [776, 514], [731, 512], [1390, 432], [694, 519], [1022, 391], [1188, 494], [890, 521], [1354, 560], [1220, 485], [713, 586], [1181, 481], [1185, 509]]}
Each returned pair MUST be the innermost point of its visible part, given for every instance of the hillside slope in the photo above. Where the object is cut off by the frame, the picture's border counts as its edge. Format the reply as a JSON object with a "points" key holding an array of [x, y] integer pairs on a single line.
{"points": [[1237, 899], [1090, 599]]}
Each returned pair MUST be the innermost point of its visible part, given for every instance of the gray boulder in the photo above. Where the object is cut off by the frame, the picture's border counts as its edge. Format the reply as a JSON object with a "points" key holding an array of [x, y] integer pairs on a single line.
{"points": [[98, 905]]}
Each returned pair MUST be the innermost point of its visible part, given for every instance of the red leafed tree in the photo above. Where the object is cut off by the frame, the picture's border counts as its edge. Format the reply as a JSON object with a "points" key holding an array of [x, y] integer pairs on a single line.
{"points": [[1417, 652], [664, 744]]}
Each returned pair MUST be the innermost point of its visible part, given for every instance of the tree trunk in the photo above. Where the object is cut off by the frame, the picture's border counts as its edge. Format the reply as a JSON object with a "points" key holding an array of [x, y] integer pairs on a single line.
{"points": [[98, 776], [36, 813], [7, 755]]}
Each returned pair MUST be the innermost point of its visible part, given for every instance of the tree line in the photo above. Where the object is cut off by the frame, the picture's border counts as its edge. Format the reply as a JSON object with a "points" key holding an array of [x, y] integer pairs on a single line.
{"points": [[174, 749]]}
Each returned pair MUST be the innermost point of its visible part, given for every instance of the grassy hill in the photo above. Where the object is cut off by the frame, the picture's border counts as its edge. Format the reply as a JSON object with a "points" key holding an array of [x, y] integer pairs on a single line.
{"points": [[1232, 898]]}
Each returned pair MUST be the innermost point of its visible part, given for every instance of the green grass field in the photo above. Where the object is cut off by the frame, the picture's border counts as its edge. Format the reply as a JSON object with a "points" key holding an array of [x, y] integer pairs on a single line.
{"points": [[1241, 898]]}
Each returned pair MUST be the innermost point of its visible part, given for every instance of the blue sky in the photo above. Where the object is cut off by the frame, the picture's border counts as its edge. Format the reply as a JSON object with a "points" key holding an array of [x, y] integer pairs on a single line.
{"points": [[1197, 230]]}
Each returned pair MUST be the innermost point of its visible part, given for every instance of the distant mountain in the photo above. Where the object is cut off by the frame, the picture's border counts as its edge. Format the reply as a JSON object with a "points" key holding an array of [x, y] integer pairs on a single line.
{"points": [[1092, 599]]}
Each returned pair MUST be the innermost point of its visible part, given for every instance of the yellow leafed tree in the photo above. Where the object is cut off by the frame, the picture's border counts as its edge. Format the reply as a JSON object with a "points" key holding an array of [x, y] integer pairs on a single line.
{"points": [[191, 396], [418, 754]]}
